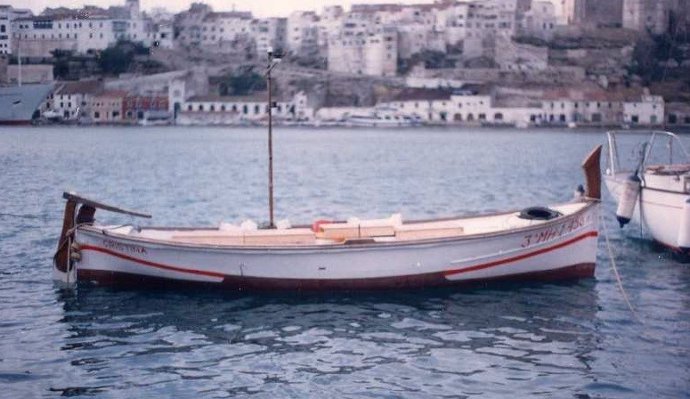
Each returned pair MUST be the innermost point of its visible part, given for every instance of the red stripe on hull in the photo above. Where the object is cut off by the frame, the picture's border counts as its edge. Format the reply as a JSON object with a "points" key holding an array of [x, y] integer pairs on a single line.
{"points": [[102, 277], [152, 264], [521, 257]]}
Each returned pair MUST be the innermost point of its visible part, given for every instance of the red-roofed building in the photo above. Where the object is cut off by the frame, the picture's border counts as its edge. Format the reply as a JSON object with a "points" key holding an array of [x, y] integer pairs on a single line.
{"points": [[136, 108]]}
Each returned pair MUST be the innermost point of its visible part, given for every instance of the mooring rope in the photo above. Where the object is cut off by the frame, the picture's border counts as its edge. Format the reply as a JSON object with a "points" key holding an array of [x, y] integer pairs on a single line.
{"points": [[615, 269]]}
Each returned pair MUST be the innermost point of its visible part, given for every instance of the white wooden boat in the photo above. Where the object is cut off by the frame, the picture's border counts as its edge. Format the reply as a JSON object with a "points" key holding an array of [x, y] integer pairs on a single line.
{"points": [[535, 243], [653, 189], [538, 243]]}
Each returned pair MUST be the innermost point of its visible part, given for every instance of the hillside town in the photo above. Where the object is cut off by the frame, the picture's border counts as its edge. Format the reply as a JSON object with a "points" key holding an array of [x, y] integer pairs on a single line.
{"points": [[472, 62]]}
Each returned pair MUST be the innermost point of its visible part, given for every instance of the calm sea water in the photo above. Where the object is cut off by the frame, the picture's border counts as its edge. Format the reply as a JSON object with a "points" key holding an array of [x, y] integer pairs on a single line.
{"points": [[575, 339]]}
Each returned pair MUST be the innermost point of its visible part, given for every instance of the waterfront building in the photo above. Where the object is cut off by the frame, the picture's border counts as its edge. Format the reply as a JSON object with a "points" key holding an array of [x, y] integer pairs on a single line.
{"points": [[648, 110], [71, 100], [137, 107], [107, 106], [253, 108], [598, 107], [677, 114]]}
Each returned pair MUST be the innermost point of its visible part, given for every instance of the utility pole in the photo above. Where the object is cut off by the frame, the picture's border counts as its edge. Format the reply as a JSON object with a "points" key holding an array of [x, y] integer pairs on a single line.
{"points": [[272, 62]]}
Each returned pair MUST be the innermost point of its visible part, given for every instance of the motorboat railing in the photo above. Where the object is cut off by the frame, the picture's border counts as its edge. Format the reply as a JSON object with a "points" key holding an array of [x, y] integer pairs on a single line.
{"points": [[648, 146]]}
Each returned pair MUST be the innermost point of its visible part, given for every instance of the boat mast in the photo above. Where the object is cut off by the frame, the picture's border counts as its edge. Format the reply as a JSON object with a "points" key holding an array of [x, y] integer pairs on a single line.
{"points": [[272, 62], [19, 63]]}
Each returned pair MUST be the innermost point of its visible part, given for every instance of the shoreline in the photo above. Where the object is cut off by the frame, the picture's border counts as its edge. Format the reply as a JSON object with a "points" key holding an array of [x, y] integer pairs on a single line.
{"points": [[357, 127]]}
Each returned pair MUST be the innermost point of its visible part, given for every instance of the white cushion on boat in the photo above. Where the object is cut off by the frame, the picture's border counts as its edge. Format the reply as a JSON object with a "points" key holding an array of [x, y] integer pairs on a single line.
{"points": [[249, 225], [228, 227], [283, 224]]}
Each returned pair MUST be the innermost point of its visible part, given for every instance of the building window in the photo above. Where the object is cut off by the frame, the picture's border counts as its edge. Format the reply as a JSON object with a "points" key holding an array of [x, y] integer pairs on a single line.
{"points": [[635, 119]]}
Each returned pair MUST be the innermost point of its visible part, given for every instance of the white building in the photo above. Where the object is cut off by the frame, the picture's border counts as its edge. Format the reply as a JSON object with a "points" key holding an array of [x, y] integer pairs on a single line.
{"points": [[219, 27], [648, 110], [5, 29], [465, 106], [269, 33], [330, 22], [416, 37], [456, 18], [243, 109], [487, 20], [642, 15], [302, 34], [90, 28], [70, 100], [540, 21], [373, 54], [162, 34]]}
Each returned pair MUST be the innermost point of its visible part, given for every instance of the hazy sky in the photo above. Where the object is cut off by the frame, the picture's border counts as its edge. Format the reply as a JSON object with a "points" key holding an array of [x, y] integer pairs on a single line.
{"points": [[260, 8]]}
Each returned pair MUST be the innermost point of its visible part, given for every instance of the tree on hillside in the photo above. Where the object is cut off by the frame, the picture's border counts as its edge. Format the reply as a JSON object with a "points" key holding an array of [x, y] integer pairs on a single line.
{"points": [[119, 58]]}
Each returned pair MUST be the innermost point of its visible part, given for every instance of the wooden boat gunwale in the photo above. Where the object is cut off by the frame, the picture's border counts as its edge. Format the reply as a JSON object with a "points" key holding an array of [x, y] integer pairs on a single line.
{"points": [[103, 230]]}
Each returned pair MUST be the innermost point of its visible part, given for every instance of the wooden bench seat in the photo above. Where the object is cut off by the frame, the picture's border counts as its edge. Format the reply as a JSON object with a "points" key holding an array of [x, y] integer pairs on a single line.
{"points": [[300, 236], [422, 231]]}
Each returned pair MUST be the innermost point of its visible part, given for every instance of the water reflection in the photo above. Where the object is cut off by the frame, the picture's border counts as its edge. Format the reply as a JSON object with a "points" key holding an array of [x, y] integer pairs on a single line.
{"points": [[427, 342]]}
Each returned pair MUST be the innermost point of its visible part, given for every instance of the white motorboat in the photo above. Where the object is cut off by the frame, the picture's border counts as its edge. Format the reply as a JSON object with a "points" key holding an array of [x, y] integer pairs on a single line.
{"points": [[383, 117], [648, 174]]}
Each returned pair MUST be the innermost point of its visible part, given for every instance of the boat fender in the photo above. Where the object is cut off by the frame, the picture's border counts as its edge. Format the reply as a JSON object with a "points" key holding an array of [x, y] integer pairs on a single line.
{"points": [[684, 228], [628, 199], [539, 213]]}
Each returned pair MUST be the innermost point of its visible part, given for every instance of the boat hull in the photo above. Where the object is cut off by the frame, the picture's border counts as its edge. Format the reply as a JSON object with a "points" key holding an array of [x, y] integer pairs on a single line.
{"points": [[660, 212], [564, 248]]}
